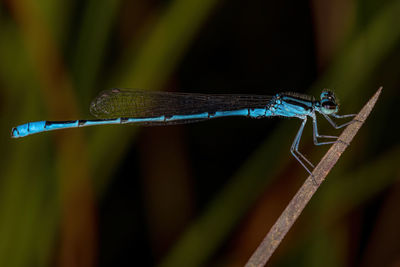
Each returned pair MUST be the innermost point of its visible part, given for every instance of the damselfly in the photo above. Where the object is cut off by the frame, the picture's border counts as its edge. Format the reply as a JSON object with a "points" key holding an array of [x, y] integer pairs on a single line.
{"points": [[122, 106]]}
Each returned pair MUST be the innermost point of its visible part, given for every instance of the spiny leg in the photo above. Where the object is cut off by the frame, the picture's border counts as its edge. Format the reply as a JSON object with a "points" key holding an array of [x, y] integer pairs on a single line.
{"points": [[343, 116], [295, 145], [317, 135], [339, 117]]}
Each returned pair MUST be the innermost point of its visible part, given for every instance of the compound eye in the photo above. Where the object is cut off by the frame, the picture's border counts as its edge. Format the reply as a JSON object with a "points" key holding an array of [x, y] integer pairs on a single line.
{"points": [[329, 107], [328, 95]]}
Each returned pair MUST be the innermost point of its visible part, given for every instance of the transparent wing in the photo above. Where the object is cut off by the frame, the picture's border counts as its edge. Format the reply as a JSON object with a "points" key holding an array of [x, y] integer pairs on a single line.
{"points": [[146, 104]]}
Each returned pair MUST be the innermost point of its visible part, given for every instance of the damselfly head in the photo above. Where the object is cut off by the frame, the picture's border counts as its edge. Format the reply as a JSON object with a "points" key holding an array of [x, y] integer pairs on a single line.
{"points": [[329, 105]]}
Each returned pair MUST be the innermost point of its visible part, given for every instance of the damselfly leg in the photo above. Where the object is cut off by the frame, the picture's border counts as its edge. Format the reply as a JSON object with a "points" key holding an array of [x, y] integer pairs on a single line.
{"points": [[295, 145], [294, 149], [340, 117]]}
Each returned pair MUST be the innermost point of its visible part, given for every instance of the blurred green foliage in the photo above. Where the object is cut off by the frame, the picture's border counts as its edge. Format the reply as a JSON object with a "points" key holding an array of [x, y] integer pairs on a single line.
{"points": [[56, 188]]}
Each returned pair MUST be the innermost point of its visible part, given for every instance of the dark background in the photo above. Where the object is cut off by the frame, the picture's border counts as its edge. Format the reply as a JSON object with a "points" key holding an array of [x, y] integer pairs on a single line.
{"points": [[200, 194]]}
